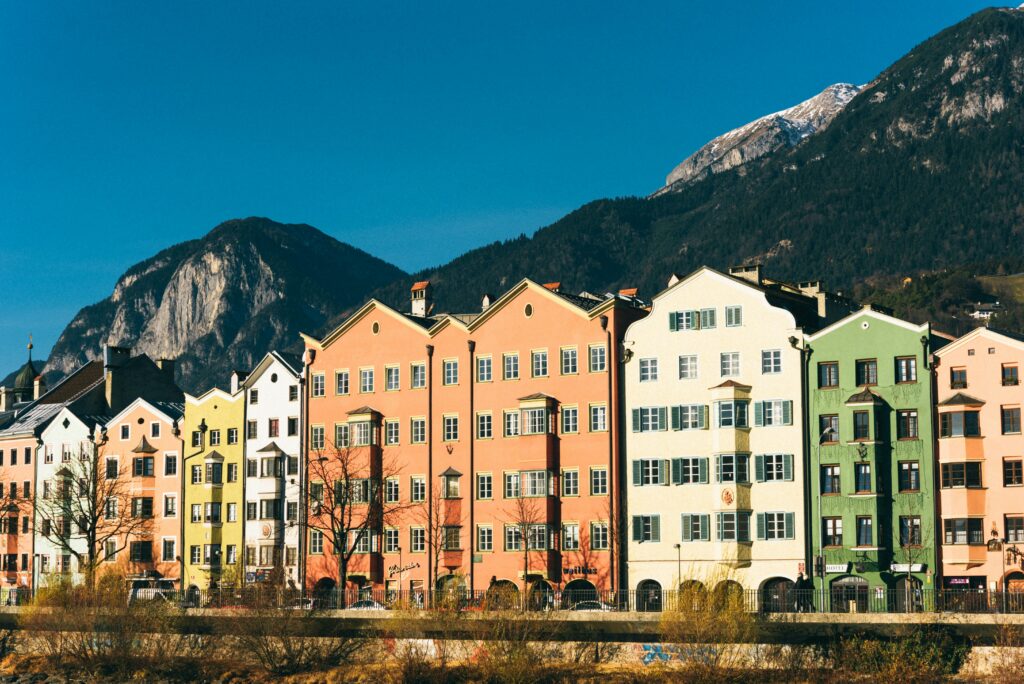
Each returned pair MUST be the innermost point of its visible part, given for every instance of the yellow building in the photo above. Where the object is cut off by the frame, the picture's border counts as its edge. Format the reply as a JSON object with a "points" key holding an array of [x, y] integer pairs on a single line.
{"points": [[212, 515]]}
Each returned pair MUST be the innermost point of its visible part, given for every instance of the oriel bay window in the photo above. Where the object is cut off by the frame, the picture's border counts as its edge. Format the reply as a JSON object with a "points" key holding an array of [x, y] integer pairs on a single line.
{"points": [[961, 474], [731, 414], [536, 483], [963, 531], [861, 426], [537, 538], [959, 424], [732, 468], [535, 421], [733, 526], [450, 483]]}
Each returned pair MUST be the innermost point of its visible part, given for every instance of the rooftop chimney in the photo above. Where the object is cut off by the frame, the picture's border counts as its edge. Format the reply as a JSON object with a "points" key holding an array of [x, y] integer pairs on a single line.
{"points": [[6, 399], [485, 304], [38, 387], [750, 272], [628, 292], [554, 287], [421, 298], [115, 357], [167, 366], [237, 378]]}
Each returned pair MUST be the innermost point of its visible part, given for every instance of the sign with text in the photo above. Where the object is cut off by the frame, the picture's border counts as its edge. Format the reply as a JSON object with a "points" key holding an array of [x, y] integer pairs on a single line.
{"points": [[837, 567]]}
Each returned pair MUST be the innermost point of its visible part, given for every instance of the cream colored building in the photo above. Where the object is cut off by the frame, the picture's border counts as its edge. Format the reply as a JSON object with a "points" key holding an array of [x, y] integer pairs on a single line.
{"points": [[714, 433]]}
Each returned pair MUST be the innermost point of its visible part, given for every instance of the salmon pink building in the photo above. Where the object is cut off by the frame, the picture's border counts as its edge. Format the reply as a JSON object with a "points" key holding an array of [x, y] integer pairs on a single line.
{"points": [[485, 445], [981, 462]]}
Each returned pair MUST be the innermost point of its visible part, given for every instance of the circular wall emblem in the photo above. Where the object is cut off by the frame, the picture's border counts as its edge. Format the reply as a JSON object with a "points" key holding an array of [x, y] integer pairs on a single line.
{"points": [[266, 530], [727, 496]]}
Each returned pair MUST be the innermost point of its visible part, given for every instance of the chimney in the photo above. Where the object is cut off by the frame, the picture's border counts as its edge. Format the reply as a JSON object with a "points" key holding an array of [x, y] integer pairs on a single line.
{"points": [[628, 292], [115, 357], [485, 304], [421, 298], [6, 399], [673, 279], [237, 378], [38, 387], [751, 272], [167, 366], [554, 287]]}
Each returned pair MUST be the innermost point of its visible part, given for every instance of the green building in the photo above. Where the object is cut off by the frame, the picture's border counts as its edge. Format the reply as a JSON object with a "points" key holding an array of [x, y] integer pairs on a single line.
{"points": [[872, 496]]}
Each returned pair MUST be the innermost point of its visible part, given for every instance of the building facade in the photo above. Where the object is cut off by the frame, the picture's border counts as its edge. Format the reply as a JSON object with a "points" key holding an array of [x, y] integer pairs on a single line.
{"points": [[981, 452], [872, 448]]}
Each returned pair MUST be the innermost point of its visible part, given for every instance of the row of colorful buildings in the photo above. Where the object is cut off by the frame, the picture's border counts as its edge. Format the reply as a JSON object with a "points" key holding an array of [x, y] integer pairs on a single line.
{"points": [[735, 431]]}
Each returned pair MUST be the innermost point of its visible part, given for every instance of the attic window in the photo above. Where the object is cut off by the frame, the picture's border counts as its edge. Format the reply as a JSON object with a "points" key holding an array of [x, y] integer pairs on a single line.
{"points": [[273, 377], [141, 420], [375, 328], [528, 310]]}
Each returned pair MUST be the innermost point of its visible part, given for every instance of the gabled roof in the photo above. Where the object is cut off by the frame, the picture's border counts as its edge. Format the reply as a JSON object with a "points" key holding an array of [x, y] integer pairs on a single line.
{"points": [[867, 312], [731, 383], [75, 385], [537, 395], [291, 363], [865, 396], [33, 419], [213, 392], [270, 448], [170, 411], [363, 409], [961, 399], [1008, 338], [420, 285], [451, 472]]}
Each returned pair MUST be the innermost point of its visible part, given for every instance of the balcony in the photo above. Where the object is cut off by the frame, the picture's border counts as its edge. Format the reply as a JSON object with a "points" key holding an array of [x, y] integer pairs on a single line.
{"points": [[965, 554]]}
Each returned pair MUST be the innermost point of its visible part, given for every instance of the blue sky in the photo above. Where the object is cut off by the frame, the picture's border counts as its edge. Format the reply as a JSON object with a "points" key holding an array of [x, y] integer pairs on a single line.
{"points": [[413, 130]]}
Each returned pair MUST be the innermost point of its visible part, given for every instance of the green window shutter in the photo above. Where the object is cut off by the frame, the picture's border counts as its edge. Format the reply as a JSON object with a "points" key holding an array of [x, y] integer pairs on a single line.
{"points": [[662, 418], [760, 526], [787, 467], [687, 527], [704, 417], [663, 471], [655, 528], [758, 413], [759, 468], [790, 526], [718, 526], [636, 420], [673, 321], [677, 417], [702, 470], [787, 412], [705, 527], [677, 471], [637, 465], [638, 528]]}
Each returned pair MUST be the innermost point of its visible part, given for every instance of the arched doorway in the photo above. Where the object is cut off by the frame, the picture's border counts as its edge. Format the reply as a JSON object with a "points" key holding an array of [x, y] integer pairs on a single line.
{"points": [[728, 595], [502, 595], [541, 596], [192, 596], [576, 591], [907, 596], [1013, 585], [849, 594], [693, 596], [778, 595], [648, 597], [323, 592]]}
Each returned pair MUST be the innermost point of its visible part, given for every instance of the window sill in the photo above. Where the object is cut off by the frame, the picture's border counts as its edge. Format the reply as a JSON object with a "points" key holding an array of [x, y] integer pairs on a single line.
{"points": [[909, 491], [864, 495], [866, 548]]}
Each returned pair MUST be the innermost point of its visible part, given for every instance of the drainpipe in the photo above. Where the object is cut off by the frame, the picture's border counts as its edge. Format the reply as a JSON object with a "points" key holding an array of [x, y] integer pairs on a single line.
{"points": [[612, 415], [430, 459], [243, 468], [472, 469], [302, 522], [933, 410], [810, 471]]}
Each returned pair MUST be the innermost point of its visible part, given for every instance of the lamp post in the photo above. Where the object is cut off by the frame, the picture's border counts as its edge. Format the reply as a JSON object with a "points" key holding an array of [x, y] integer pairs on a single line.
{"points": [[679, 565]]}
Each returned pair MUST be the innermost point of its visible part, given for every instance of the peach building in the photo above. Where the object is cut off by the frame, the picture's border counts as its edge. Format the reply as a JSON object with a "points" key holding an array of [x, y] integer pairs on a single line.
{"points": [[493, 436], [981, 461]]}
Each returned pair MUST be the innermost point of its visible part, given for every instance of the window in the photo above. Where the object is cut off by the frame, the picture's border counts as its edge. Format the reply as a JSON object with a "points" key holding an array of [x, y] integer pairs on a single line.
{"points": [[570, 362], [211, 512], [776, 526], [867, 372], [570, 483], [316, 437], [483, 369], [1014, 528], [418, 487], [484, 486], [1010, 419], [392, 379], [865, 537], [316, 492], [512, 488], [232, 435], [450, 370], [197, 474], [1010, 375], [570, 420], [773, 467], [214, 473], [730, 364], [688, 367], [250, 431], [341, 382], [906, 369], [511, 423], [451, 538], [832, 531], [598, 418], [366, 380], [570, 537], [316, 542], [140, 551], [910, 530], [391, 490], [733, 526], [906, 424], [292, 511], [1013, 472], [451, 486], [773, 413], [170, 464], [484, 426], [391, 432], [862, 478], [689, 417], [154, 430], [254, 396], [689, 470], [125, 432], [341, 434], [110, 508], [955, 475], [599, 536], [696, 527], [484, 538], [707, 319], [646, 528], [170, 506], [167, 550], [419, 375], [293, 427], [539, 364], [511, 366], [599, 482], [362, 433], [650, 471], [214, 437], [828, 374], [684, 320], [958, 378], [535, 421], [513, 538], [598, 359], [909, 476], [861, 426], [959, 424], [648, 370], [232, 512], [828, 427], [535, 483], [418, 430], [650, 419], [112, 469], [830, 479], [451, 428], [317, 390], [142, 466], [731, 414], [360, 541], [733, 316], [732, 468], [293, 393], [771, 361], [963, 531]]}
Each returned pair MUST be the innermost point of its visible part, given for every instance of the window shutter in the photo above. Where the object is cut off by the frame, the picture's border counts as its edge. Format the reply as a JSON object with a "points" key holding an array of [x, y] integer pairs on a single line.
{"points": [[718, 468], [718, 415], [655, 528], [759, 468], [637, 465], [687, 528], [787, 412], [663, 471], [704, 417], [702, 470], [673, 321], [677, 417], [758, 413], [760, 526], [790, 526], [787, 467], [705, 527], [677, 471], [638, 528], [636, 420], [718, 526], [662, 418]]}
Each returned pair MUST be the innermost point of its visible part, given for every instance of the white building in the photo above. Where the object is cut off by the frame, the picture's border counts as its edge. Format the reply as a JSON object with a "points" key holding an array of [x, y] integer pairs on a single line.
{"points": [[273, 401], [715, 469]]}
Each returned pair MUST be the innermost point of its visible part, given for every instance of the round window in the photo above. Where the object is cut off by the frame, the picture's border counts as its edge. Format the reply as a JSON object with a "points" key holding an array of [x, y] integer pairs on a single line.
{"points": [[375, 327], [273, 377], [141, 421], [528, 310]]}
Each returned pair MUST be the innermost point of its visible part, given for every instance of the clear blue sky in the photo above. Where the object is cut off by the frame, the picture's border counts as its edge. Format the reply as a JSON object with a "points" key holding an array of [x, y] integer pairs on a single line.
{"points": [[413, 130]]}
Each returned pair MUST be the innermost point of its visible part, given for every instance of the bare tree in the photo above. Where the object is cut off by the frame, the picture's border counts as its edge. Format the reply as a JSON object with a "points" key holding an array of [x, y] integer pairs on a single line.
{"points": [[445, 513], [525, 513], [14, 504], [89, 511]]}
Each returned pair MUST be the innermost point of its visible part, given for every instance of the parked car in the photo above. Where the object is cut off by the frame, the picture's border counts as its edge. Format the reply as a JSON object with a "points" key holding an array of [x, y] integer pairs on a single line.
{"points": [[302, 604], [592, 605], [367, 604], [164, 595]]}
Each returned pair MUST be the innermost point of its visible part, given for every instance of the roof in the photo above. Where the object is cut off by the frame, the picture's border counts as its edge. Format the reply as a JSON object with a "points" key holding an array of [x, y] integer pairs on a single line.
{"points": [[292, 363], [420, 285], [553, 286], [144, 447], [361, 410], [172, 409], [730, 383], [25, 379], [866, 396], [271, 448], [1013, 339], [73, 386], [451, 472], [628, 292], [34, 418], [536, 395], [961, 399]]}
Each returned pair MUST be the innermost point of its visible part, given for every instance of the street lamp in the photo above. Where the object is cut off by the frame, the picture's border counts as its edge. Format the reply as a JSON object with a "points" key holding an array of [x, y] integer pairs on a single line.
{"points": [[679, 565]]}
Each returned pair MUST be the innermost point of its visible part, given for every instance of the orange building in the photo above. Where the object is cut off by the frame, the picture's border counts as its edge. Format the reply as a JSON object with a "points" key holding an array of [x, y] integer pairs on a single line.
{"points": [[488, 442]]}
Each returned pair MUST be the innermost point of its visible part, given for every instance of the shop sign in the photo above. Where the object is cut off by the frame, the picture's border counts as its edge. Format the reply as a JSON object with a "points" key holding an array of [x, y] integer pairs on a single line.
{"points": [[837, 567], [906, 567]]}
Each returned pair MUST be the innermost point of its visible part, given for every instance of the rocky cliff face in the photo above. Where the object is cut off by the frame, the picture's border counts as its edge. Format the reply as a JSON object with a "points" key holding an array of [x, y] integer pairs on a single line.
{"points": [[221, 302], [762, 136]]}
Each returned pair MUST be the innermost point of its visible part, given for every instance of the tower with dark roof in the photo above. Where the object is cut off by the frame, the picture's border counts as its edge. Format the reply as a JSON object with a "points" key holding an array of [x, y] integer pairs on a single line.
{"points": [[24, 381]]}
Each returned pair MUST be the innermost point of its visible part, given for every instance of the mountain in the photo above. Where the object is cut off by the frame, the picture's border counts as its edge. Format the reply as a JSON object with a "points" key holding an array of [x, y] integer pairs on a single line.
{"points": [[921, 171], [220, 302], [762, 136]]}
